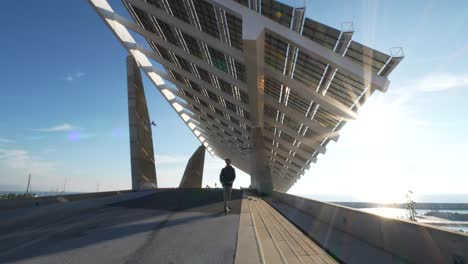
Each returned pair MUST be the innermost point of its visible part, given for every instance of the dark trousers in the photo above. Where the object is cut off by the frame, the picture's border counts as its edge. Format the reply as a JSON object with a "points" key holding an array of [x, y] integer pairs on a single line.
{"points": [[227, 194]]}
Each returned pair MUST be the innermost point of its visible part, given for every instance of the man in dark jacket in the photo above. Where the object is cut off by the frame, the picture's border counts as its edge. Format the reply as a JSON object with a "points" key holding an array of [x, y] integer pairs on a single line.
{"points": [[227, 177]]}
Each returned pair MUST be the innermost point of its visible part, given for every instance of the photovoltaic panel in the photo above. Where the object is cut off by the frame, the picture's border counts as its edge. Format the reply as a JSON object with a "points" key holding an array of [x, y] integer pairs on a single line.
{"points": [[221, 106]]}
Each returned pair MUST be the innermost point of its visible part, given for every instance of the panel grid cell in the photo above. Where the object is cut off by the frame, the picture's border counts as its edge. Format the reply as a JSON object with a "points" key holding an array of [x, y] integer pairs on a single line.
{"points": [[193, 45], [325, 118], [270, 111], [366, 56], [169, 33], [235, 30], [308, 70], [275, 52], [240, 70], [320, 33], [273, 87], [291, 123], [278, 12], [178, 10], [206, 17], [298, 103], [218, 59]]}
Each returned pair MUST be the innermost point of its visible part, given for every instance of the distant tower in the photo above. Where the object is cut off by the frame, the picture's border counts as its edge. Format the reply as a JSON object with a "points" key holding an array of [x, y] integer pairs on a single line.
{"points": [[28, 188], [141, 142]]}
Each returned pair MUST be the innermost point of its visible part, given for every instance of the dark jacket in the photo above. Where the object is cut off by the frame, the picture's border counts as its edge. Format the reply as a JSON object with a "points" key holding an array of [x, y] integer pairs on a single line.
{"points": [[227, 176]]}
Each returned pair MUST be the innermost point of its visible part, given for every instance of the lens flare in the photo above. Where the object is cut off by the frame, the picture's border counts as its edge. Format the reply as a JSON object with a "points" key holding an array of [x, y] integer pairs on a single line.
{"points": [[74, 136], [117, 132]]}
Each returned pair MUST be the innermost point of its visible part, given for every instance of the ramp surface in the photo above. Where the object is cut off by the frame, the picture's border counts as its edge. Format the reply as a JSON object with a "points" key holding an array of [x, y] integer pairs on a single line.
{"points": [[173, 226]]}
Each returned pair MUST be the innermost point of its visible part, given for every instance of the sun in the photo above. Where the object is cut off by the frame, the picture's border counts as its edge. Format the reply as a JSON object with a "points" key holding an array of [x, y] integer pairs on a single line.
{"points": [[376, 124], [374, 136]]}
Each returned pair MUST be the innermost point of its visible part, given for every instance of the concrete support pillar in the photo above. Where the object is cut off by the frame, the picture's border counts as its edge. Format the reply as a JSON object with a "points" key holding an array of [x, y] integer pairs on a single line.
{"points": [[141, 142], [193, 174], [259, 168], [253, 36], [254, 50]]}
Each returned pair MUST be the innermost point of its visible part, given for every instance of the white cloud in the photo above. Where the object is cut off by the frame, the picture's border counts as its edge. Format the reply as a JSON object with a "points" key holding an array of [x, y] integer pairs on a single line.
{"points": [[69, 78], [21, 160], [440, 82], [434, 82], [58, 128], [73, 76]]}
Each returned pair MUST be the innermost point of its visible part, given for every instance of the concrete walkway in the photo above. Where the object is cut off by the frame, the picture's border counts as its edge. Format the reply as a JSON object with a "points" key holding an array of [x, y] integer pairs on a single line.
{"points": [[175, 226], [168, 226]]}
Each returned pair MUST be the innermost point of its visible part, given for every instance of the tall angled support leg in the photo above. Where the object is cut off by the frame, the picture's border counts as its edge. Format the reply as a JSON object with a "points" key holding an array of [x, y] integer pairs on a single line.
{"points": [[141, 142], [259, 169], [254, 49], [193, 174]]}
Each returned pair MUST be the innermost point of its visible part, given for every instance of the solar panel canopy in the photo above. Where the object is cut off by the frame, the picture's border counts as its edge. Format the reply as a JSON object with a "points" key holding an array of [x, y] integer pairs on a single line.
{"points": [[313, 77]]}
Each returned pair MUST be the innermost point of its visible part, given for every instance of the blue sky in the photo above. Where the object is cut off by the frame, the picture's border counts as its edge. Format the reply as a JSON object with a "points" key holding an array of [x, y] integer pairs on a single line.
{"points": [[64, 116]]}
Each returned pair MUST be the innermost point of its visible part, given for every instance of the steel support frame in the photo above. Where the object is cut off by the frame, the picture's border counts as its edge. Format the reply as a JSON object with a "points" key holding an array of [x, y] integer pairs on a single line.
{"points": [[105, 11], [306, 121], [286, 165], [313, 143], [191, 77], [205, 123], [286, 169], [178, 51], [308, 46], [207, 109], [276, 150], [292, 147], [329, 104], [195, 79], [188, 29], [202, 125]]}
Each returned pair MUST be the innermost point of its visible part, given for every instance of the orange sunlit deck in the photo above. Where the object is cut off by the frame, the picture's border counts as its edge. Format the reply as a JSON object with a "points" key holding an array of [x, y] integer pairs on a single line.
{"points": [[265, 236]]}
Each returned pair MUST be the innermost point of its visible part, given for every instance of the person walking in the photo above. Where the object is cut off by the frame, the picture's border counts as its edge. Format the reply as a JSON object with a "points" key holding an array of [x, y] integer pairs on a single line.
{"points": [[227, 177]]}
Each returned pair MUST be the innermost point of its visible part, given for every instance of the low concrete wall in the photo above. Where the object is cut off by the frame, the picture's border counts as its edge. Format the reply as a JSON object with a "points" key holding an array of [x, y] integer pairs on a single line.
{"points": [[47, 200], [354, 236], [57, 208]]}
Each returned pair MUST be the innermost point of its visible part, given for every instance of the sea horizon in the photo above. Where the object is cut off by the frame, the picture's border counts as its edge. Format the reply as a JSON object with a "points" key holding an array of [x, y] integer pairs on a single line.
{"points": [[334, 198], [423, 198]]}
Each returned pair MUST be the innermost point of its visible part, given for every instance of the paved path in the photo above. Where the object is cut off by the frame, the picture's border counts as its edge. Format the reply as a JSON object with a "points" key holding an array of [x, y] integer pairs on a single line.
{"points": [[166, 226], [175, 226]]}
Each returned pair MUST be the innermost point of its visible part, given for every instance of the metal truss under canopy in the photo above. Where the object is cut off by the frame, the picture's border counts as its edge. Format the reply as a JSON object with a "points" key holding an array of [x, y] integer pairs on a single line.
{"points": [[308, 79]]}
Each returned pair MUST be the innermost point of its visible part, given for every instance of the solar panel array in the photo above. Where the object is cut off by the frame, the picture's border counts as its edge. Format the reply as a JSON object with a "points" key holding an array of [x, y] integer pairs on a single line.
{"points": [[212, 83]]}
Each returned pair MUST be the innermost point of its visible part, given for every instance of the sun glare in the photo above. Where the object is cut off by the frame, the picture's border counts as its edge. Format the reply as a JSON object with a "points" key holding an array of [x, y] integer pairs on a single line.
{"points": [[376, 123], [373, 136], [382, 195]]}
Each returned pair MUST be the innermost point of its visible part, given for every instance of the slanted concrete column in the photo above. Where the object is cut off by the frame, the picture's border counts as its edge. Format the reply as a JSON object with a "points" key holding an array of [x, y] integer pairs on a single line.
{"points": [[141, 142], [193, 174], [253, 35], [259, 168]]}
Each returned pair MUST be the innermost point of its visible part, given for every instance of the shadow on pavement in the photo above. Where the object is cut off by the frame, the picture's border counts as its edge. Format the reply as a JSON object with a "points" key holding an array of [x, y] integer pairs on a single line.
{"points": [[201, 200], [161, 210]]}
